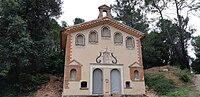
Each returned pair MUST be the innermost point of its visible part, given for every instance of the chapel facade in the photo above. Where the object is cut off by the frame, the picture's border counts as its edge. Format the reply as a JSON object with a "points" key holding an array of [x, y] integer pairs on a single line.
{"points": [[102, 57]]}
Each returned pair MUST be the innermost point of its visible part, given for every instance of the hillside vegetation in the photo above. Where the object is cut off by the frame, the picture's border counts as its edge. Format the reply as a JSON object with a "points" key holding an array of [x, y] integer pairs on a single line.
{"points": [[169, 81]]}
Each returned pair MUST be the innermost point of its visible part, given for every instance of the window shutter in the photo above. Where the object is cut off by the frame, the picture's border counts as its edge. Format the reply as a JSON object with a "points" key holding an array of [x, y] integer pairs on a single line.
{"points": [[105, 32], [130, 43], [118, 38], [93, 37], [80, 40]]}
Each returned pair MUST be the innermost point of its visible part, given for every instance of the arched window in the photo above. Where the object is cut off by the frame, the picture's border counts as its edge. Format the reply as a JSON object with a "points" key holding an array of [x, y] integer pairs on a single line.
{"points": [[83, 84], [93, 37], [80, 40], [118, 38], [73, 74], [105, 32], [130, 44], [136, 75]]}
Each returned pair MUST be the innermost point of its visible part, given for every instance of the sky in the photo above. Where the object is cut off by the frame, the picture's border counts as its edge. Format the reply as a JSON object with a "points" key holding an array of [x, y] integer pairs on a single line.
{"points": [[85, 9], [88, 10]]}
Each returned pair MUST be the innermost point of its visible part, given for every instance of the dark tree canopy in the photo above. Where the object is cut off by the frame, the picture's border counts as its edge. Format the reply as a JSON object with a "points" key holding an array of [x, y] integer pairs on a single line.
{"points": [[155, 52], [29, 43], [131, 13], [78, 20], [196, 62]]}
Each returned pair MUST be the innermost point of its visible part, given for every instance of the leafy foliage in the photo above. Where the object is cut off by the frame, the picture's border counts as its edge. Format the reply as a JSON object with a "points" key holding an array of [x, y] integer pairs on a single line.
{"points": [[179, 41], [185, 76], [29, 44], [159, 83], [131, 13], [181, 92], [155, 52], [78, 20], [196, 63], [169, 84]]}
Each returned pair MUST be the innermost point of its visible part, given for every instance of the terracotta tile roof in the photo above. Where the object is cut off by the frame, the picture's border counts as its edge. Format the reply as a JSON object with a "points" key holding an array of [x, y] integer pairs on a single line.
{"points": [[98, 22]]}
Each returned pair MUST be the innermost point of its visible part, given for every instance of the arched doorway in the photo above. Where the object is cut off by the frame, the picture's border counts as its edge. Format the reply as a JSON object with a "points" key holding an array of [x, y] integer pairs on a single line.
{"points": [[115, 79], [97, 87]]}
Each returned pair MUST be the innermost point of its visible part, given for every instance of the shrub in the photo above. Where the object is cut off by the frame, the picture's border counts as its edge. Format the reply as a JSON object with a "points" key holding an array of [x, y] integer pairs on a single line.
{"points": [[181, 92], [39, 79], [185, 76], [159, 83]]}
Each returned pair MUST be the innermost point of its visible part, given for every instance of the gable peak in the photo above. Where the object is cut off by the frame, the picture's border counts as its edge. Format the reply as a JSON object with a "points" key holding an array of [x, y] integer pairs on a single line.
{"points": [[102, 9], [74, 62], [135, 64]]}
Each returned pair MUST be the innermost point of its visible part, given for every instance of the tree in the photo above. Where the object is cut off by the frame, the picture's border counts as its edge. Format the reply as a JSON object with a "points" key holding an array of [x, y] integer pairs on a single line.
{"points": [[55, 62], [162, 53], [15, 41], [196, 63], [155, 52], [195, 8], [78, 20], [180, 42], [64, 24], [28, 41], [130, 13]]}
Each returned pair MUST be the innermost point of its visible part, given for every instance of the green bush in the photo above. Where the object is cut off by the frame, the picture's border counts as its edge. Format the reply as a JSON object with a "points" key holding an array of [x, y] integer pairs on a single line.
{"points": [[181, 92], [39, 79], [185, 76], [24, 85], [159, 83], [8, 92]]}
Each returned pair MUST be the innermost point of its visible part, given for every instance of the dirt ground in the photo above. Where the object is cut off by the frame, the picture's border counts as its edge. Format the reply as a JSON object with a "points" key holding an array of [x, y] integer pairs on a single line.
{"points": [[150, 93], [52, 89], [197, 82]]}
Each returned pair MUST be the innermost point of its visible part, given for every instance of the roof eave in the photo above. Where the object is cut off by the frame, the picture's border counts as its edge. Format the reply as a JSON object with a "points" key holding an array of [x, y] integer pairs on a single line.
{"points": [[97, 22]]}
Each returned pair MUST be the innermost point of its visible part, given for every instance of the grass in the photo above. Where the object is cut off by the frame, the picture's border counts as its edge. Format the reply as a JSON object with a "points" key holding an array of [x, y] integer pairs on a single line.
{"points": [[186, 91], [179, 92], [171, 84], [159, 83]]}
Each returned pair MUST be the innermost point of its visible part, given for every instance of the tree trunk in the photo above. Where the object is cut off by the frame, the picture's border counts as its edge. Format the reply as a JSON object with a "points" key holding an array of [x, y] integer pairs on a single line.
{"points": [[184, 61]]}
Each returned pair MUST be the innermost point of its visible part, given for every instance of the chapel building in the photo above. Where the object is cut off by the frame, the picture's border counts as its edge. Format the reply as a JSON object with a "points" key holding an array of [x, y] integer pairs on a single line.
{"points": [[102, 57]]}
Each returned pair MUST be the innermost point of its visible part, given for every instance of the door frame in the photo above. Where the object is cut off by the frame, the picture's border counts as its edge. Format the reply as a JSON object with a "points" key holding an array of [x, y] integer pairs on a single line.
{"points": [[94, 66]]}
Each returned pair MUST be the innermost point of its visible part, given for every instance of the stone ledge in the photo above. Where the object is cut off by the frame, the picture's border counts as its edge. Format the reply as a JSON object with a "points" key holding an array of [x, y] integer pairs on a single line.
{"points": [[103, 96]]}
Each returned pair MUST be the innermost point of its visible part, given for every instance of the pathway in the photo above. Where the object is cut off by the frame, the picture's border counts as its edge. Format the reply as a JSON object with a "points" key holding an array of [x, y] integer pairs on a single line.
{"points": [[197, 82]]}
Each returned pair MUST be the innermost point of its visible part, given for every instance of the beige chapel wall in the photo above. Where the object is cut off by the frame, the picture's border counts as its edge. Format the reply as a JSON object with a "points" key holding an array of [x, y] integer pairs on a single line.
{"points": [[74, 89], [87, 54], [137, 88]]}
